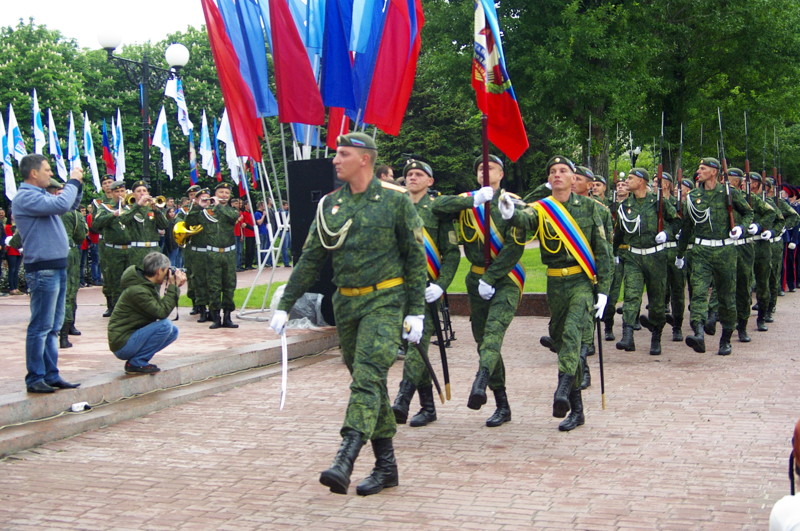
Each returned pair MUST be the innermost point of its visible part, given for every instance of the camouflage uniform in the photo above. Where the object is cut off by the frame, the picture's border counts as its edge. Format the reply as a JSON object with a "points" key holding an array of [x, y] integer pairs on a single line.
{"points": [[143, 223], [383, 243], [196, 266], [99, 206], [115, 245], [676, 278], [791, 219], [76, 228]]}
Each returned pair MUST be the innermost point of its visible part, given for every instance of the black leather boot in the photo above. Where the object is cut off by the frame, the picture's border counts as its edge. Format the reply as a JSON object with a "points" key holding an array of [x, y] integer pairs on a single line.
{"points": [[626, 343], [226, 320], [109, 307], [655, 342], [337, 477], [63, 337], [698, 340], [575, 417], [561, 403], [402, 401], [741, 328], [205, 315], [725, 342], [384, 475], [477, 396], [547, 342], [586, 381], [609, 328], [768, 315], [761, 324], [215, 317], [645, 321], [195, 310], [427, 414], [502, 414], [710, 327], [677, 334], [72, 330]]}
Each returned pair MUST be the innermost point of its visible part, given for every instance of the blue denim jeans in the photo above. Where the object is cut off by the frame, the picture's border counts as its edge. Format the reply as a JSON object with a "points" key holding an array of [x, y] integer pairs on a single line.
{"points": [[13, 271], [94, 263], [48, 290], [286, 246], [145, 342]]}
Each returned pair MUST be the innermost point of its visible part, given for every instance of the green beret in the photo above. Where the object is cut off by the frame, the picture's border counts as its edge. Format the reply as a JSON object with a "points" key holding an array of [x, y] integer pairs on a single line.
{"points": [[667, 176], [193, 189], [711, 162], [492, 158], [640, 172], [227, 186], [55, 184], [770, 182], [558, 159], [687, 183], [137, 184], [412, 164], [735, 172], [117, 184], [107, 177], [356, 140], [584, 172], [755, 176], [599, 179]]}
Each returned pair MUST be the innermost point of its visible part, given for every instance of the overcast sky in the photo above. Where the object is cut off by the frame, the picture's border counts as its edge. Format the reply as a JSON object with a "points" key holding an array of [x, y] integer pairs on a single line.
{"points": [[138, 20]]}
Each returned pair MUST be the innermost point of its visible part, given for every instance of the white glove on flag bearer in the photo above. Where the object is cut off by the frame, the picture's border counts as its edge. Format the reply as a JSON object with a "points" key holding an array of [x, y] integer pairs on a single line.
{"points": [[482, 195], [278, 321], [412, 328]]}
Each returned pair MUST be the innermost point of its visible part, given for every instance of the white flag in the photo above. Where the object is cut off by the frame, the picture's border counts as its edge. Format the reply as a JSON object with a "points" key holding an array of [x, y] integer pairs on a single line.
{"points": [[73, 153], [55, 147], [161, 141], [225, 135], [206, 149], [8, 168], [174, 90], [119, 148], [88, 151], [39, 139], [16, 146]]}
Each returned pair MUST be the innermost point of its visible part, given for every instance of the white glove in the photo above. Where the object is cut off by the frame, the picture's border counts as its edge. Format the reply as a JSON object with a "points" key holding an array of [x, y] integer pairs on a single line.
{"points": [[766, 235], [616, 260], [679, 262], [752, 229], [412, 327], [735, 233], [278, 321], [548, 185], [482, 195], [661, 237], [506, 206], [792, 246], [600, 305], [485, 290], [432, 293], [678, 236]]}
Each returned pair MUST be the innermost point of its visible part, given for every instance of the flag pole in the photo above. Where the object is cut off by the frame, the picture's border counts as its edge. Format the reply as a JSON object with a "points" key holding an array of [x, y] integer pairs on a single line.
{"points": [[487, 220]]}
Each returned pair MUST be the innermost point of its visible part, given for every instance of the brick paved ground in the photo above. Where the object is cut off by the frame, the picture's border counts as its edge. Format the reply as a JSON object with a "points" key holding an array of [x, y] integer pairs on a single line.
{"points": [[688, 441]]}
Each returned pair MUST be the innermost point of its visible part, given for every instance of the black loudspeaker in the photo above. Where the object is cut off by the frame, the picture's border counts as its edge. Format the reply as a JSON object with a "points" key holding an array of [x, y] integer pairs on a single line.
{"points": [[309, 181]]}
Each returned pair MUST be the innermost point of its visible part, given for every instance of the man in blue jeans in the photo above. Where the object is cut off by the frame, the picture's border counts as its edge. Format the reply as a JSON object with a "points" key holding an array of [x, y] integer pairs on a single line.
{"points": [[139, 325], [44, 239]]}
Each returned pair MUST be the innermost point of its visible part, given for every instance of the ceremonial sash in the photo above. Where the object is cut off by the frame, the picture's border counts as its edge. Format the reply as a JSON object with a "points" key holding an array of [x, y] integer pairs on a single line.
{"points": [[568, 232], [476, 217], [433, 258]]}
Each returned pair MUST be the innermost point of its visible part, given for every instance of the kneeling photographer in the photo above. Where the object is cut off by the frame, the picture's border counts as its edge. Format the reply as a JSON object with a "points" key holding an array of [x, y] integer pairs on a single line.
{"points": [[139, 325]]}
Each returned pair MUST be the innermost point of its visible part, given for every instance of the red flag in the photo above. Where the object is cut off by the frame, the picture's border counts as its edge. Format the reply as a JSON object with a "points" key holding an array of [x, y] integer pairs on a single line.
{"points": [[297, 92], [245, 125], [493, 91], [395, 67], [338, 124], [108, 158]]}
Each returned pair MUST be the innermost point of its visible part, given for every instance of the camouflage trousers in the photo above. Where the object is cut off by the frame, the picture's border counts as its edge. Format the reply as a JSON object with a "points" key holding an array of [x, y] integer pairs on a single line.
{"points": [[188, 264], [369, 347], [762, 265], [73, 281], [489, 321], [645, 271], [116, 261], [570, 300], [221, 280], [613, 293], [197, 271], [414, 369], [108, 291], [717, 265], [776, 263], [745, 258], [676, 287]]}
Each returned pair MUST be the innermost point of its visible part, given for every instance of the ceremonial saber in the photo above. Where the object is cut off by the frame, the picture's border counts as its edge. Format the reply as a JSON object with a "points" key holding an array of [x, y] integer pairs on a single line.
{"points": [[428, 365], [600, 359], [285, 367], [437, 326]]}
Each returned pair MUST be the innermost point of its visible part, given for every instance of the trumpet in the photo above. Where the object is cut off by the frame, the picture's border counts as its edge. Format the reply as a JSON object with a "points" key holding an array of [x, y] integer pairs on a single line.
{"points": [[130, 199], [159, 201]]}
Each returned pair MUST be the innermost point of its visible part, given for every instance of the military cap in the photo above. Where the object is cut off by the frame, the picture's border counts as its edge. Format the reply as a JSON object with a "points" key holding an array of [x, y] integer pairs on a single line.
{"points": [[558, 159], [193, 189], [356, 140], [770, 182], [755, 176], [117, 184], [599, 178], [107, 177], [55, 184], [137, 184], [640, 172], [412, 164], [667, 176], [711, 162], [227, 186], [203, 191], [492, 158], [584, 172], [688, 183], [735, 172]]}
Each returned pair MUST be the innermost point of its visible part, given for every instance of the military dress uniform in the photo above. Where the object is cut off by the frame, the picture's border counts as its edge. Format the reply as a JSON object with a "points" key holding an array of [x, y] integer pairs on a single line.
{"points": [[75, 226], [706, 225], [196, 265], [115, 242], [676, 277], [188, 254], [107, 204], [143, 223], [374, 239], [791, 220]]}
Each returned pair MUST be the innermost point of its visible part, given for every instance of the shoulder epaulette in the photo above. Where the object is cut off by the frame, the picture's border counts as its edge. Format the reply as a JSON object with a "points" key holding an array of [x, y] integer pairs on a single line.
{"points": [[394, 187]]}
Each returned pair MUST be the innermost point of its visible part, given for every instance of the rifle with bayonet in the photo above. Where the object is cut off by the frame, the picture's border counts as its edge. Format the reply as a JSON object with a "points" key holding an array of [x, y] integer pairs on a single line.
{"points": [[746, 161], [659, 174], [725, 179], [679, 176]]}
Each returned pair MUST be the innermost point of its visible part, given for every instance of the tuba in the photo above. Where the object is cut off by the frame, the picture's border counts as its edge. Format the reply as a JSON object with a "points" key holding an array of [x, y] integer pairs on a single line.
{"points": [[183, 234]]}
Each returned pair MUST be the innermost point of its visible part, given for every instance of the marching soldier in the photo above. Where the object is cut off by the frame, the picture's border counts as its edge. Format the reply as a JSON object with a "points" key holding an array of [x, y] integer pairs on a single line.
{"points": [[494, 292], [115, 242], [217, 218], [188, 254], [706, 223], [621, 193], [374, 237], [575, 249], [762, 252], [441, 250], [790, 219], [644, 257], [108, 201], [599, 188], [143, 220], [676, 278]]}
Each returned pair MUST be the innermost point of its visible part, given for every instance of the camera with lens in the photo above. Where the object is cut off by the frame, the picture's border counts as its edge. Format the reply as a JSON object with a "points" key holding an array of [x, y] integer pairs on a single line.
{"points": [[173, 270]]}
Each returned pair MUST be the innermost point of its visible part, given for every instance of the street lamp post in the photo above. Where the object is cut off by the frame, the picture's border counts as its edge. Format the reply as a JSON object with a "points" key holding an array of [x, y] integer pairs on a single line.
{"points": [[146, 76]]}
